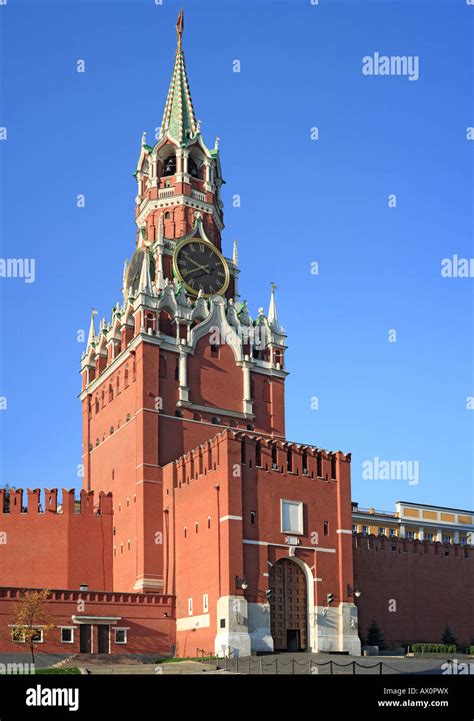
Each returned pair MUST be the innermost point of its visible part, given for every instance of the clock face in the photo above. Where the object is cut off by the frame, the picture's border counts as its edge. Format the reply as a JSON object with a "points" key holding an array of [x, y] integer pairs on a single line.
{"points": [[199, 265]]}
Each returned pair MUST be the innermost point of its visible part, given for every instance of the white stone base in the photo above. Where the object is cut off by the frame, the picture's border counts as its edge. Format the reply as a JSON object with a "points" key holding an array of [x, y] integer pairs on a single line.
{"points": [[232, 638], [337, 629], [259, 627]]}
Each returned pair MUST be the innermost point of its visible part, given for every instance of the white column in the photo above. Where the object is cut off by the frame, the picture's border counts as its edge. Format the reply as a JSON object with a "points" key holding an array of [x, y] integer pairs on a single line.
{"points": [[183, 377], [402, 531], [439, 535], [247, 400], [207, 178], [456, 536]]}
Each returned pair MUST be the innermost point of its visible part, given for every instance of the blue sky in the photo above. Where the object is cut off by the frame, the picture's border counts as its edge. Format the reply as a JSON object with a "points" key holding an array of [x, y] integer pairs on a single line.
{"points": [[301, 201]]}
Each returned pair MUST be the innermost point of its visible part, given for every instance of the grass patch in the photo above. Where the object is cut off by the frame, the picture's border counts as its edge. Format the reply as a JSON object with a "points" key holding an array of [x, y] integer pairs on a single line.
{"points": [[58, 672]]}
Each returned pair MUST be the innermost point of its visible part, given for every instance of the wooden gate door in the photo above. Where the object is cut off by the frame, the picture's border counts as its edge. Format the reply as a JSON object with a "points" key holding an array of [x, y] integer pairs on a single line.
{"points": [[288, 606]]}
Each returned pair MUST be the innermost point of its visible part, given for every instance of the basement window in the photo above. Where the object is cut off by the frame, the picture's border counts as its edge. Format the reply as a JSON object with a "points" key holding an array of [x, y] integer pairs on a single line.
{"points": [[120, 635], [67, 634]]}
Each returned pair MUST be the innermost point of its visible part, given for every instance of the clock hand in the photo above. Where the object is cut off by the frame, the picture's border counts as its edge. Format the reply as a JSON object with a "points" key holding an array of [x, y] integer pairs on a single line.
{"points": [[201, 267], [194, 262]]}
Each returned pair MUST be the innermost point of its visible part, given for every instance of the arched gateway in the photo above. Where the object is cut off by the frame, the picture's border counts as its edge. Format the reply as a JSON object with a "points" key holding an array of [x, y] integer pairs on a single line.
{"points": [[288, 606]]}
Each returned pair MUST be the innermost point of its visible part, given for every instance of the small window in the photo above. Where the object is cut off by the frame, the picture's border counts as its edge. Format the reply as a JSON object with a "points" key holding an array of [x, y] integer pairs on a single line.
{"points": [[214, 350], [190, 606], [67, 635], [222, 623], [410, 535], [258, 454], [167, 214], [205, 603], [305, 463], [365, 530], [214, 420], [196, 527], [250, 427], [319, 466], [333, 467], [446, 538], [120, 635], [185, 532], [17, 635], [381, 531], [252, 518], [209, 522], [354, 528], [326, 528], [392, 533], [292, 517], [178, 414]]}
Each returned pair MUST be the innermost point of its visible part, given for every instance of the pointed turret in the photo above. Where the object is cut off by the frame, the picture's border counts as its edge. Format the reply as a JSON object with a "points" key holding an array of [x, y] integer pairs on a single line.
{"points": [[92, 333], [272, 311], [179, 120], [144, 284]]}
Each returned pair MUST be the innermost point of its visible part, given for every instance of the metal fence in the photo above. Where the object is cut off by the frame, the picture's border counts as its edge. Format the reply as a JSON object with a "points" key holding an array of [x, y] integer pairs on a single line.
{"points": [[292, 666]]}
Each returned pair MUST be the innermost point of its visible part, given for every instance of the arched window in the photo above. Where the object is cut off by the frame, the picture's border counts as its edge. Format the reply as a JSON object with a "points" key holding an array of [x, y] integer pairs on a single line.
{"points": [[111, 392], [196, 527], [252, 518], [185, 532], [208, 521], [111, 430], [97, 406], [103, 398], [214, 420], [167, 215], [258, 453], [117, 385], [125, 382]]}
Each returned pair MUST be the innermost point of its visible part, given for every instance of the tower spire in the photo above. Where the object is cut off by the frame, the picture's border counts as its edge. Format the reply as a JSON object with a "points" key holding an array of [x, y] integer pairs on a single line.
{"points": [[92, 333], [179, 120], [144, 284], [272, 311]]}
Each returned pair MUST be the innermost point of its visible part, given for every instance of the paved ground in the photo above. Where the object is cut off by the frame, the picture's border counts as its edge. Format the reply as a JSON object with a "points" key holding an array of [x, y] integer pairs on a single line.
{"points": [[284, 663]]}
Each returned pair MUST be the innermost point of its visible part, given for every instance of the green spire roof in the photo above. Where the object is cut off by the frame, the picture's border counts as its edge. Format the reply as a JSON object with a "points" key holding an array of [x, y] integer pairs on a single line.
{"points": [[179, 120]]}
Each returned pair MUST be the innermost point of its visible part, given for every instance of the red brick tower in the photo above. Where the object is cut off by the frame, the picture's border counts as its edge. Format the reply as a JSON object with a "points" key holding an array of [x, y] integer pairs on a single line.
{"points": [[181, 358]]}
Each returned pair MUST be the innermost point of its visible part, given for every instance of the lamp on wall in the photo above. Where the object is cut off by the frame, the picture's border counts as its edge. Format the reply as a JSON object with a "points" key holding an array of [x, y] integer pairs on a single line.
{"points": [[241, 583], [354, 591]]}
